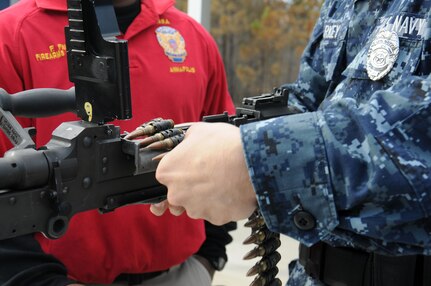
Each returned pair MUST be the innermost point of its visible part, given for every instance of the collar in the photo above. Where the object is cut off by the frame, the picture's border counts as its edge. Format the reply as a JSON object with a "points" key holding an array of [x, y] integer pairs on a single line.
{"points": [[52, 5], [150, 12]]}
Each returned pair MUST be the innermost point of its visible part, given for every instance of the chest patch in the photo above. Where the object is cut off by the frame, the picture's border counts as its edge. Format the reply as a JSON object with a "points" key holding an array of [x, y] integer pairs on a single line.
{"points": [[331, 31], [172, 43], [405, 25], [382, 54]]}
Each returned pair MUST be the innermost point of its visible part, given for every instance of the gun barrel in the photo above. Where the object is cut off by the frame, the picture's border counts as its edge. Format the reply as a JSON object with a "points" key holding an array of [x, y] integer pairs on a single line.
{"points": [[26, 169]]}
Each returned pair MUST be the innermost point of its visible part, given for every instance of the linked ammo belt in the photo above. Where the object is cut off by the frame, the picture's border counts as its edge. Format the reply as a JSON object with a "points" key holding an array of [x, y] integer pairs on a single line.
{"points": [[340, 266], [135, 279]]}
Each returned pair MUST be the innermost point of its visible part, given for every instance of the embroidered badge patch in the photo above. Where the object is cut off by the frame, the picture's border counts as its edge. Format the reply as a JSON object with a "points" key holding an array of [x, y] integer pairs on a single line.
{"points": [[382, 54], [172, 43]]}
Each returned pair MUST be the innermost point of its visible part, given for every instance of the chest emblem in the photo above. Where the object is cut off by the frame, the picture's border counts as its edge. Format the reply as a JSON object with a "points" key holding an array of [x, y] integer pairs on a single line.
{"points": [[382, 54], [172, 43]]}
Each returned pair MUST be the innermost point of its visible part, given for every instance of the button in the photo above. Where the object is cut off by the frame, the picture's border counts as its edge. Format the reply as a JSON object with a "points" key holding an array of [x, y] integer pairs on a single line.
{"points": [[304, 220]]}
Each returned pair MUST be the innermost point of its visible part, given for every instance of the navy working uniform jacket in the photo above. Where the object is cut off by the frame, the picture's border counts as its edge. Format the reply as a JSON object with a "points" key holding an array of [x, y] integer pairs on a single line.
{"points": [[356, 163], [4, 4]]}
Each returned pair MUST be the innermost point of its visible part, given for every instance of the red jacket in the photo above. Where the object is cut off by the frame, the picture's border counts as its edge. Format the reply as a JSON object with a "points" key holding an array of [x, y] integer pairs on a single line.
{"points": [[184, 87]]}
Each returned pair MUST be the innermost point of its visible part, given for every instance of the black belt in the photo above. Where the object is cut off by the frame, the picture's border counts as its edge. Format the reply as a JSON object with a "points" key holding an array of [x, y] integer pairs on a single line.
{"points": [[135, 279], [342, 266]]}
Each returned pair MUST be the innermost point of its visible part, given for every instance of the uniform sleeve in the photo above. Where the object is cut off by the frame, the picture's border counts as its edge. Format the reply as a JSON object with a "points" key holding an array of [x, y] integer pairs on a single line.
{"points": [[275, 155], [348, 171]]}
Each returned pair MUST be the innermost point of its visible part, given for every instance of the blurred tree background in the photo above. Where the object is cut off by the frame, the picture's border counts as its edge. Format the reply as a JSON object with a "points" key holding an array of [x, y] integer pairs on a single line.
{"points": [[260, 41]]}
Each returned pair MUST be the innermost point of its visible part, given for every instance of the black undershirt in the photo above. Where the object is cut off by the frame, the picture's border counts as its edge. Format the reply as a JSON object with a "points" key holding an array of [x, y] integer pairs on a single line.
{"points": [[126, 15]]}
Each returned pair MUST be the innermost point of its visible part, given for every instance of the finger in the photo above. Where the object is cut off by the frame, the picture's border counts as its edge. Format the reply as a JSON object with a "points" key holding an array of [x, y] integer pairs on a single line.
{"points": [[159, 208], [159, 157], [176, 210]]}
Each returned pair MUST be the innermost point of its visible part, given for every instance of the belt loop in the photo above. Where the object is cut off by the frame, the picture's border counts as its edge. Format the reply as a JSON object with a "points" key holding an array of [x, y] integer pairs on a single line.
{"points": [[311, 258]]}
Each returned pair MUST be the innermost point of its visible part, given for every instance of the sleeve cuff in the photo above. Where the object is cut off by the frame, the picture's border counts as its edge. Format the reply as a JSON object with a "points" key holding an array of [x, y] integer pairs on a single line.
{"points": [[289, 170]]}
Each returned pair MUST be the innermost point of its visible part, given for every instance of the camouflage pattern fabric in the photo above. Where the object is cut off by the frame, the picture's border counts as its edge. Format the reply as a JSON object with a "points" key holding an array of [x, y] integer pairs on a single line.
{"points": [[298, 277], [358, 159]]}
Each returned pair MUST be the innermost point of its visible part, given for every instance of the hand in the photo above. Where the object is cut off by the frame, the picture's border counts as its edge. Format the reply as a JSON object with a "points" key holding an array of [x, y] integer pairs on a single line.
{"points": [[207, 175]]}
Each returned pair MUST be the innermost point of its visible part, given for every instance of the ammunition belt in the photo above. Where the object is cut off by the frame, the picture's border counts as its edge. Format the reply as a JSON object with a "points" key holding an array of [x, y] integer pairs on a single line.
{"points": [[267, 244]]}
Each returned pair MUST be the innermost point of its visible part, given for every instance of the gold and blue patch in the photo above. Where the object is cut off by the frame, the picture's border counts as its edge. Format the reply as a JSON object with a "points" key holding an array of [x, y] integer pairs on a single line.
{"points": [[172, 43]]}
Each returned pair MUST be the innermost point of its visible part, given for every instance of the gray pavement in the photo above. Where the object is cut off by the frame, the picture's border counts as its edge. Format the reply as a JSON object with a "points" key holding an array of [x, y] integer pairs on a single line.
{"points": [[235, 271]]}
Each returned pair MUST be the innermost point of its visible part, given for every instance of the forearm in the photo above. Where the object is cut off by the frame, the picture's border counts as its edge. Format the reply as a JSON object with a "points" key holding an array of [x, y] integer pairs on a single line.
{"points": [[282, 155]]}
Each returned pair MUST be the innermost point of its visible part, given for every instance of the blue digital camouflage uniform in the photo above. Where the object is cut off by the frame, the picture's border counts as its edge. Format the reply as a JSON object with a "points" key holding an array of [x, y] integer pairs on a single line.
{"points": [[4, 4], [358, 160]]}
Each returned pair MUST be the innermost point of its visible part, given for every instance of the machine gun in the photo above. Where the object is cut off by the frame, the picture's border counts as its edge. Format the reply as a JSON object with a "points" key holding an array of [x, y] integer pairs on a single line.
{"points": [[88, 164]]}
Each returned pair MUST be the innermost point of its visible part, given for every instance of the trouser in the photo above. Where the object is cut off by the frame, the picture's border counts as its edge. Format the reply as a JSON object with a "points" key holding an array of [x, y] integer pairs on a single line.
{"points": [[342, 266], [189, 273]]}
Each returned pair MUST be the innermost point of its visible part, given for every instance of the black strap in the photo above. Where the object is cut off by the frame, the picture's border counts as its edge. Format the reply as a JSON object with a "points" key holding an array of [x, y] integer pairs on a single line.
{"points": [[311, 259], [352, 267], [396, 270]]}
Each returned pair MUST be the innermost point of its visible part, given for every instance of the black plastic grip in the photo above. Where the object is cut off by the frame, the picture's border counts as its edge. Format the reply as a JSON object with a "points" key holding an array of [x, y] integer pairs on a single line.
{"points": [[41, 102]]}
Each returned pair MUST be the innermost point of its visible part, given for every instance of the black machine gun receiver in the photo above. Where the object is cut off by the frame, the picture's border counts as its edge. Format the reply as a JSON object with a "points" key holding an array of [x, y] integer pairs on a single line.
{"points": [[261, 107]]}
